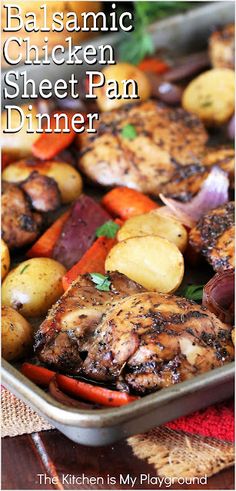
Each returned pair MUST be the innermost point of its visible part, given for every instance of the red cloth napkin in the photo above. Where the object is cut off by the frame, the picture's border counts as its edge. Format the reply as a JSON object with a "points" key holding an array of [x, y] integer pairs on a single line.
{"points": [[214, 422]]}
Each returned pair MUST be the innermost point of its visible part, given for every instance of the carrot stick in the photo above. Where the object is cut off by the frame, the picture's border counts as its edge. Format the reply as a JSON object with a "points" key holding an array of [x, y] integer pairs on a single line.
{"points": [[93, 393], [45, 244], [48, 145], [38, 375], [154, 65], [92, 261], [125, 202]]}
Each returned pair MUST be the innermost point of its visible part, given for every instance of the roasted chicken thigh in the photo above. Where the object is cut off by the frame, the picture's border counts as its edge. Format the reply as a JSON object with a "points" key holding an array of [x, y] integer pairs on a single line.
{"points": [[213, 236], [130, 337], [166, 140], [166, 154]]}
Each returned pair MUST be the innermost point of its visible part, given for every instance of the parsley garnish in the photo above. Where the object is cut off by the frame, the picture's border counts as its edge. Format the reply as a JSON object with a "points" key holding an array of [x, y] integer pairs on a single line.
{"points": [[129, 132], [102, 282], [24, 268], [137, 45], [193, 292], [108, 229]]}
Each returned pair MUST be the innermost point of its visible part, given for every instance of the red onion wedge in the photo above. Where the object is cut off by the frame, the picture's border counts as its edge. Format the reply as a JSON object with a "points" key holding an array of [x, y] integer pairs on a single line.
{"points": [[214, 193], [218, 296], [231, 128]]}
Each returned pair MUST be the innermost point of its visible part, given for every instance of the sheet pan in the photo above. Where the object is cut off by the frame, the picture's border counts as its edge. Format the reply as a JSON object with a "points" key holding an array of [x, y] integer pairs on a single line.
{"points": [[179, 34]]}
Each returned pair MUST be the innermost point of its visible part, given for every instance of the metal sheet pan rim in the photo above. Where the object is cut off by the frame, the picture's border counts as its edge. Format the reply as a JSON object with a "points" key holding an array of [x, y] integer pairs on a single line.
{"points": [[84, 418]]}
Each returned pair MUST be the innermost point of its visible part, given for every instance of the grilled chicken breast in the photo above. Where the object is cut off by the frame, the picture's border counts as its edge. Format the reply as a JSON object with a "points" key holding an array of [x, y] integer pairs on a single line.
{"points": [[213, 236], [136, 339], [222, 47], [20, 226], [166, 141]]}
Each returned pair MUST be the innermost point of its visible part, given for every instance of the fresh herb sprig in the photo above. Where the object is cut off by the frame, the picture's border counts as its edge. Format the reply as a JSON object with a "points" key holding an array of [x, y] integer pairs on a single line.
{"points": [[139, 44], [101, 282], [108, 229], [129, 132], [193, 292]]}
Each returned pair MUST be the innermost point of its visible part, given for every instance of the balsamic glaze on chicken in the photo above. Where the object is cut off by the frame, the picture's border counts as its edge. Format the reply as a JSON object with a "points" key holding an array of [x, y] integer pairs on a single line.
{"points": [[21, 224], [213, 236], [136, 339], [42, 191], [166, 140]]}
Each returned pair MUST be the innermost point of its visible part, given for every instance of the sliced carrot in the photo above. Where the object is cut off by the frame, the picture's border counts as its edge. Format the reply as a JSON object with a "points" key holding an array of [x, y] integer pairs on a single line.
{"points": [[45, 244], [38, 375], [125, 202], [48, 145], [154, 65], [92, 261], [93, 393]]}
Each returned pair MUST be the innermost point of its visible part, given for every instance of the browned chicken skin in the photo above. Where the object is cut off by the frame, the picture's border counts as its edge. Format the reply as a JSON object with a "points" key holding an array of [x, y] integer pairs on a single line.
{"points": [[167, 140], [42, 191], [20, 226], [187, 180], [213, 236], [221, 47], [136, 339], [168, 155]]}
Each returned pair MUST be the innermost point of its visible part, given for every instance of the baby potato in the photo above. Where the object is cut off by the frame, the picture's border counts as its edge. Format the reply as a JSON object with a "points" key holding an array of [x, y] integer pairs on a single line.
{"points": [[68, 179], [211, 96], [5, 259], [19, 144], [154, 224], [119, 73], [152, 261], [33, 286], [16, 334]]}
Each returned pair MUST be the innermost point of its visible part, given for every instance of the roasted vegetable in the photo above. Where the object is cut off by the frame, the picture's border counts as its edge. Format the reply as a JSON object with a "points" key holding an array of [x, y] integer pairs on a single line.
{"points": [[79, 231], [33, 286], [153, 262], [93, 260], [154, 224], [5, 259], [67, 178], [17, 334], [46, 243], [125, 202], [119, 73], [48, 145], [211, 96], [94, 393]]}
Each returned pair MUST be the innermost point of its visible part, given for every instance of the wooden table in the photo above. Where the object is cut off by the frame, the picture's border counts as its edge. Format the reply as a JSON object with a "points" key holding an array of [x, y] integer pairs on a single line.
{"points": [[51, 454]]}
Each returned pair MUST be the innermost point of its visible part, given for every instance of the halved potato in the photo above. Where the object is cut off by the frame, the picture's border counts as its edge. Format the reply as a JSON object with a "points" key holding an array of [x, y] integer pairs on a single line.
{"points": [[33, 286], [68, 179], [211, 96], [119, 73], [5, 259], [16, 334], [153, 262], [154, 224]]}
